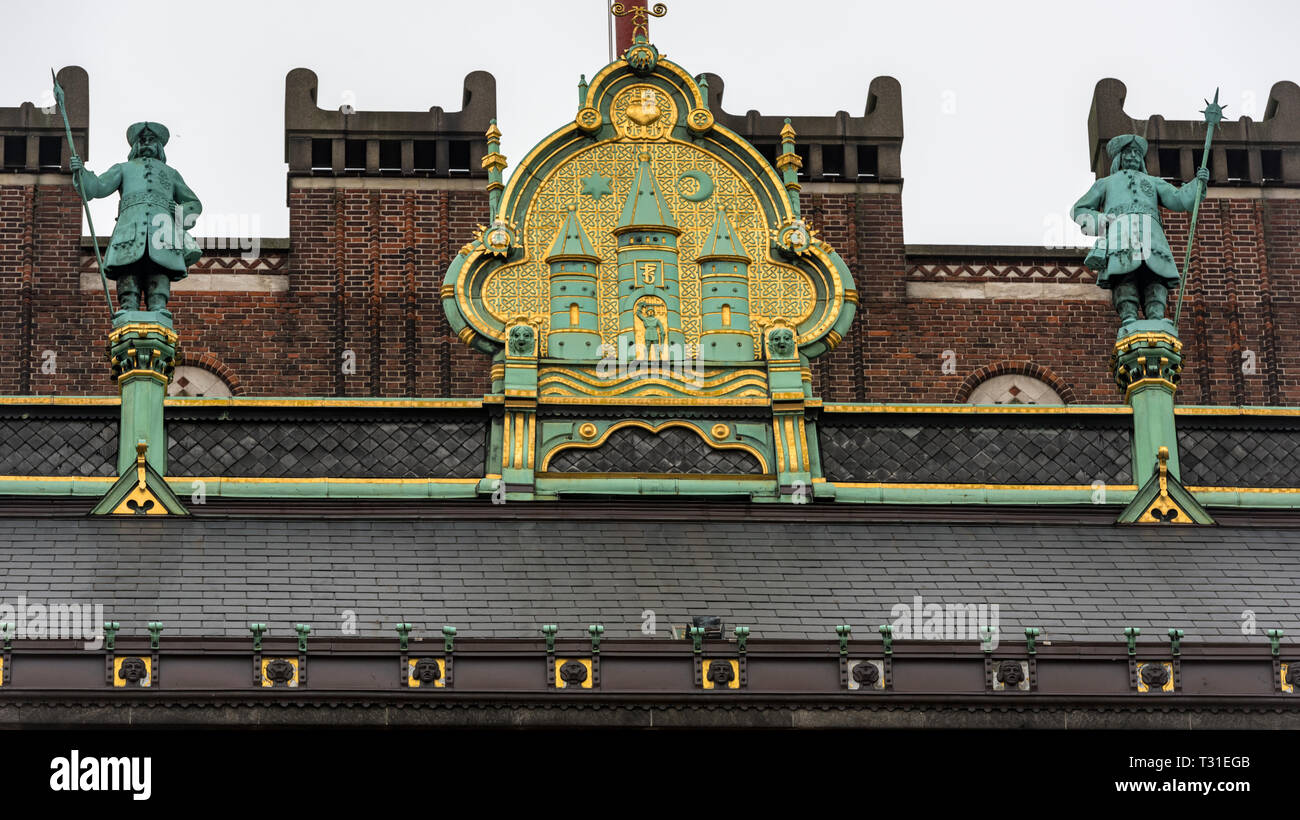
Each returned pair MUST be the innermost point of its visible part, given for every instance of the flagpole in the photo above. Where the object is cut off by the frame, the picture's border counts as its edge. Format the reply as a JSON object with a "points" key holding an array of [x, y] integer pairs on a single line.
{"points": [[1213, 115], [76, 178]]}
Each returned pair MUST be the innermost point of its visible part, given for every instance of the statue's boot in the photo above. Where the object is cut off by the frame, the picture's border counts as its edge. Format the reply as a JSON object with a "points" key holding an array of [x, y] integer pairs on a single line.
{"points": [[158, 291], [1125, 298], [1154, 298], [128, 293]]}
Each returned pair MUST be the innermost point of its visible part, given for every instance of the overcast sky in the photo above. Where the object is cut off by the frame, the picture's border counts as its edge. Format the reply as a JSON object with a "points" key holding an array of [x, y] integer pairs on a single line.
{"points": [[995, 94]]}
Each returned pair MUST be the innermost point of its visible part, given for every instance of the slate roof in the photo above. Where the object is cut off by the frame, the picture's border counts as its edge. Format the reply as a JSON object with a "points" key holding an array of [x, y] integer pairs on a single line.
{"points": [[504, 576]]}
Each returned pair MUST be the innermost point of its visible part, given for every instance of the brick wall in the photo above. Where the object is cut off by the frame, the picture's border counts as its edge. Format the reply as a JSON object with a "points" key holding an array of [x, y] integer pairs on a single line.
{"points": [[365, 266]]}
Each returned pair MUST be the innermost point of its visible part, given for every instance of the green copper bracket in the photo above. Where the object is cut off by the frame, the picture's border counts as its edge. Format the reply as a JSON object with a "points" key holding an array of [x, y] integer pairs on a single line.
{"points": [[7, 633], [403, 635], [887, 635], [1176, 641], [1131, 635], [986, 638], [303, 631], [697, 635], [449, 639], [110, 634], [1031, 636], [844, 631], [595, 630], [548, 631], [155, 630], [258, 631], [1275, 641], [742, 637]]}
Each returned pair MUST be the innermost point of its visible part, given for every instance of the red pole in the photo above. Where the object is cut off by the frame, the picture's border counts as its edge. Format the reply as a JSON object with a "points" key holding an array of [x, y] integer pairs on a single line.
{"points": [[623, 26]]}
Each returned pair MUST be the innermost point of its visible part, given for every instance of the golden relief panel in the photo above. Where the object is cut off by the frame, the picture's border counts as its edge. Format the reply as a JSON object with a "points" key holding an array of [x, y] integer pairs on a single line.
{"points": [[776, 289], [643, 112]]}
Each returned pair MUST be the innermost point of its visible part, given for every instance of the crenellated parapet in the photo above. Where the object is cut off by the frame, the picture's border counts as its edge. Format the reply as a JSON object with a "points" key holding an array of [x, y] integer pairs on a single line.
{"points": [[839, 148], [347, 142], [33, 136], [1245, 152]]}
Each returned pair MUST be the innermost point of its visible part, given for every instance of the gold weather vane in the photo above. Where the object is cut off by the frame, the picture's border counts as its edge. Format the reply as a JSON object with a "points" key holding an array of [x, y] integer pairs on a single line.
{"points": [[638, 13]]}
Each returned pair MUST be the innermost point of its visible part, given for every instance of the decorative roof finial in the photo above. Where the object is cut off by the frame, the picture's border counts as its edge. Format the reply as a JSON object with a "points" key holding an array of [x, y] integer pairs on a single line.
{"points": [[640, 25]]}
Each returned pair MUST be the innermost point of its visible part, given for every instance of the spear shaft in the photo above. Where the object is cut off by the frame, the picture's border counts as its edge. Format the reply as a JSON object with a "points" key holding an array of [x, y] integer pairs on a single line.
{"points": [[1213, 114], [72, 149]]}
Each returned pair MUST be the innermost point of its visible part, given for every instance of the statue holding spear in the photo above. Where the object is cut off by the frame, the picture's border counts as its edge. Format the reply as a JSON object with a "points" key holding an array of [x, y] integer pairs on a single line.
{"points": [[1132, 256], [150, 247], [72, 149]]}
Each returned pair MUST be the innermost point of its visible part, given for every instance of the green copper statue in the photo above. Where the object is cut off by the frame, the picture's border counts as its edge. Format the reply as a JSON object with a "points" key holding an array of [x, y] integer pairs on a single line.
{"points": [[150, 247], [1132, 256]]}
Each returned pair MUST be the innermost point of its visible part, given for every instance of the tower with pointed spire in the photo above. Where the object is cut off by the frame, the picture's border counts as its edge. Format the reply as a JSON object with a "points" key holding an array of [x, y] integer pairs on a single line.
{"points": [[573, 265], [649, 297], [724, 292]]}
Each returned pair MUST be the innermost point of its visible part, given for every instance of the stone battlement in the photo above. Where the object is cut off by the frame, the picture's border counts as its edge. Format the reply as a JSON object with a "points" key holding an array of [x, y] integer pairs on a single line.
{"points": [[34, 138], [433, 143], [1245, 152], [839, 148]]}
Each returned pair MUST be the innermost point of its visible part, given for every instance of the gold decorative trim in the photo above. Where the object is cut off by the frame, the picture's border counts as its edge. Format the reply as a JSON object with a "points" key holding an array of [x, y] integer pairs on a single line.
{"points": [[551, 385], [92, 401], [709, 381], [589, 445], [654, 401], [764, 478], [257, 401], [142, 327], [320, 480], [720, 431], [98, 479], [153, 374], [1237, 411], [876, 485], [1149, 382], [1283, 490], [1150, 339], [1009, 409], [587, 430]]}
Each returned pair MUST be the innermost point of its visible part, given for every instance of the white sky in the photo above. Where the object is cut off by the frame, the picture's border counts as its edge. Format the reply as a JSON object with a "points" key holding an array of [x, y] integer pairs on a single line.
{"points": [[995, 94]]}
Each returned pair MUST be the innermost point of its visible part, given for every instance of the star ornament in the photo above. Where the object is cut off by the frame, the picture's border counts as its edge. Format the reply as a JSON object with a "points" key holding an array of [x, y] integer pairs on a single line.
{"points": [[597, 186], [1213, 111]]}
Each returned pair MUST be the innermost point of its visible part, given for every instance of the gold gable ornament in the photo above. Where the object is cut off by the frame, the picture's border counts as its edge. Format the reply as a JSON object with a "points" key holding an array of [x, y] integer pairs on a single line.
{"points": [[1164, 500], [140, 501], [140, 491]]}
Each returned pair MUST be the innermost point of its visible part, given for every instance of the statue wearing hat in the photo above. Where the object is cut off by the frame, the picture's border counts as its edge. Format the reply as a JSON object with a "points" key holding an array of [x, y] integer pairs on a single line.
{"points": [[1132, 257], [150, 247]]}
